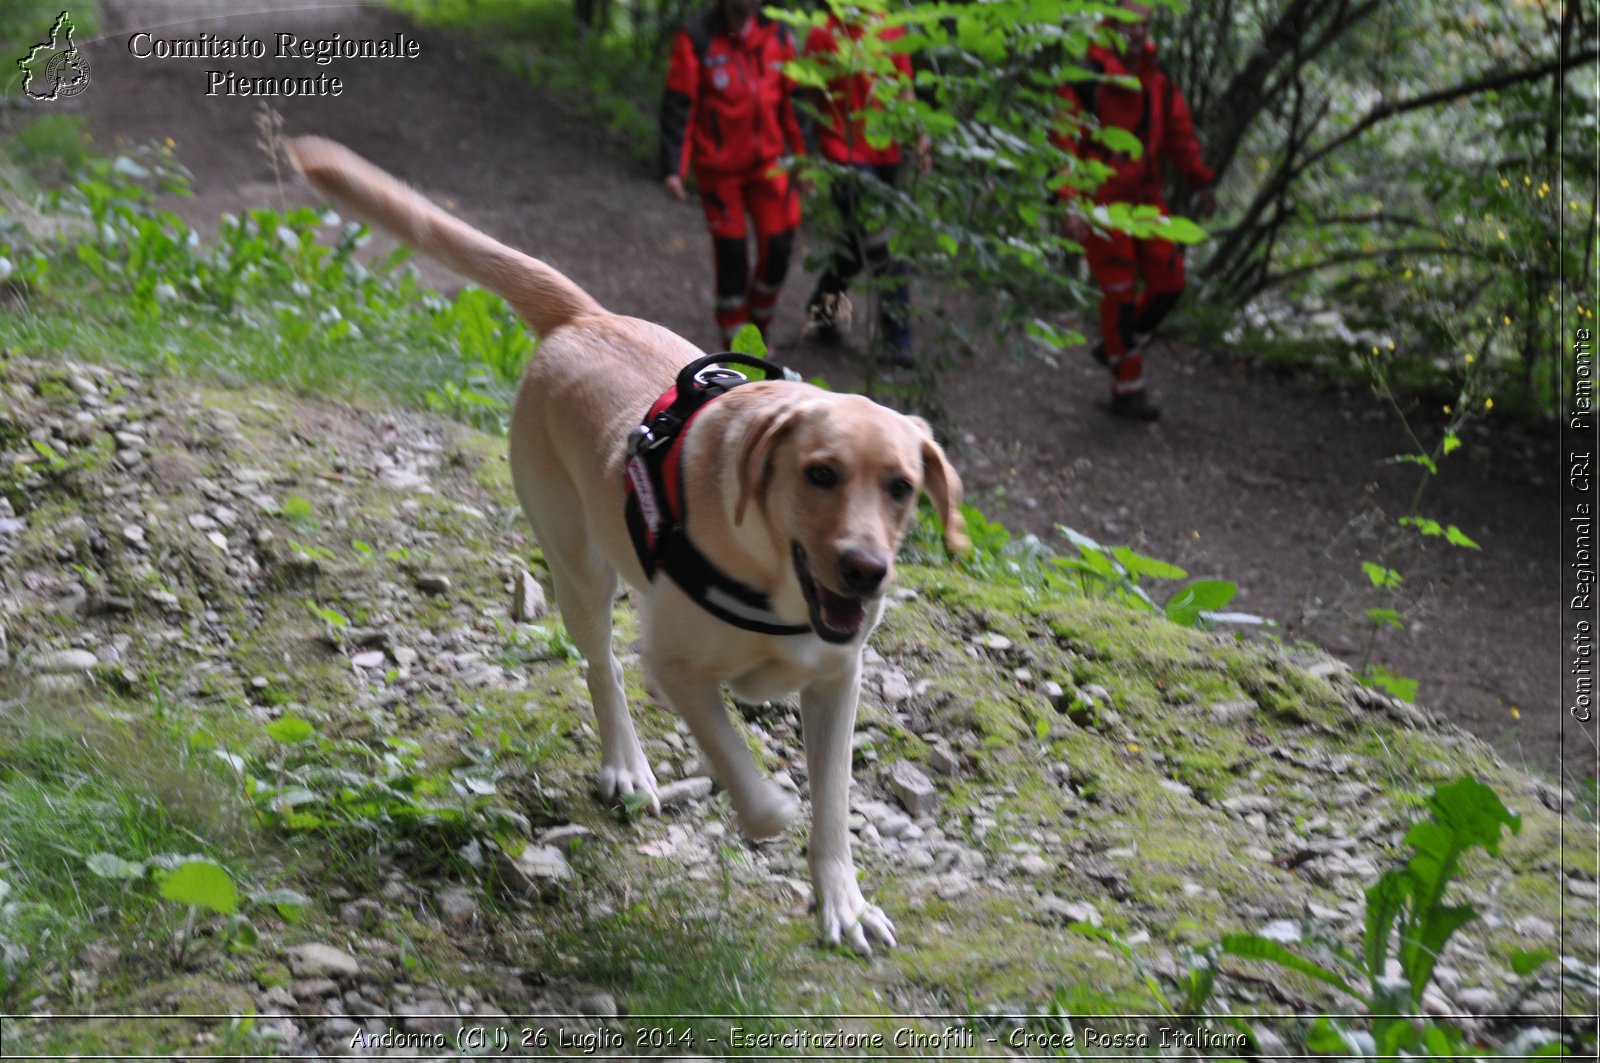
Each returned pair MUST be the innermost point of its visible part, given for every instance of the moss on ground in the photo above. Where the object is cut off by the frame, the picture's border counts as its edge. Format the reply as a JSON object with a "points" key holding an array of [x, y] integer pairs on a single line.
{"points": [[1127, 797]]}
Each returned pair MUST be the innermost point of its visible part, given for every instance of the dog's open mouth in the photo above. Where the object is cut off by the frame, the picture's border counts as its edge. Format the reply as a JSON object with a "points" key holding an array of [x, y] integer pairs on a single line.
{"points": [[834, 617]]}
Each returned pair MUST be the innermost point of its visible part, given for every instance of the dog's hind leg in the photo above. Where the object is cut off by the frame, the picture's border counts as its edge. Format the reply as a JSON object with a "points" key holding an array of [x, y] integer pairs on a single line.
{"points": [[585, 587]]}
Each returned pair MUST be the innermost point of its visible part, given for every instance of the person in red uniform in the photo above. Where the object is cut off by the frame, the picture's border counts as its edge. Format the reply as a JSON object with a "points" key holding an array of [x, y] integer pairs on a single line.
{"points": [[728, 113], [1140, 280], [862, 239]]}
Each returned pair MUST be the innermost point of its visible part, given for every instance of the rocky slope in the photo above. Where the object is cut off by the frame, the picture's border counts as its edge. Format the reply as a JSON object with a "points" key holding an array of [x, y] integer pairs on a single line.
{"points": [[185, 560]]}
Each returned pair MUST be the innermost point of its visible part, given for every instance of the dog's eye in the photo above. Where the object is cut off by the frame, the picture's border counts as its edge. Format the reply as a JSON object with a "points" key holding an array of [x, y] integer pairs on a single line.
{"points": [[822, 475], [900, 489]]}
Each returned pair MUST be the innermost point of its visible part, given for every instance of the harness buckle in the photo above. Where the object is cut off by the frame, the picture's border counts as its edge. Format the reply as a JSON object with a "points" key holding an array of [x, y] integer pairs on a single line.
{"points": [[640, 440], [719, 377]]}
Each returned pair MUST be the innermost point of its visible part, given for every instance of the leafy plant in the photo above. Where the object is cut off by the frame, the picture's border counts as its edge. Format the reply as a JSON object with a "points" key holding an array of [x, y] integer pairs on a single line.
{"points": [[1408, 920], [268, 298], [1117, 571], [380, 791], [1387, 583]]}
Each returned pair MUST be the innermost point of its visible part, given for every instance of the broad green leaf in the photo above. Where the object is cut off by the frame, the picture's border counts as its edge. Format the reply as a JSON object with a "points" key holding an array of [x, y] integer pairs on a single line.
{"points": [[1423, 525], [1525, 961], [1419, 953], [1180, 230], [1390, 617], [1474, 812], [1456, 537], [1418, 459], [1381, 576], [1385, 899], [1140, 565], [748, 341], [291, 730], [331, 617], [242, 934], [1120, 140], [1204, 595], [1402, 687], [1444, 1042], [1256, 947], [1328, 1038], [201, 884], [1452, 443], [291, 904], [1394, 1037]]}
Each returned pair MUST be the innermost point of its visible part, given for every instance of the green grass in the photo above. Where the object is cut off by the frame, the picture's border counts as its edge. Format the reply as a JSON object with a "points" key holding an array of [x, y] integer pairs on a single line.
{"points": [[81, 777], [674, 953], [277, 297]]}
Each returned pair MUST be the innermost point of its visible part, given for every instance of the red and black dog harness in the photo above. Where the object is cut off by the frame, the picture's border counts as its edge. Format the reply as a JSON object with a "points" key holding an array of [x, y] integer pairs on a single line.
{"points": [[655, 512]]}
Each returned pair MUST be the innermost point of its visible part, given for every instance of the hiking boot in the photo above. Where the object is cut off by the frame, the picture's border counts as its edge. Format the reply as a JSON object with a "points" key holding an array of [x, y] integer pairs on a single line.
{"points": [[1134, 407], [822, 318]]}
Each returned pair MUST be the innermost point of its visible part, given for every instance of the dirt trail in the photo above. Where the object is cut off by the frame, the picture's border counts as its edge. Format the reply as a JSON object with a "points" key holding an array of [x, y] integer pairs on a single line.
{"points": [[1249, 477]]}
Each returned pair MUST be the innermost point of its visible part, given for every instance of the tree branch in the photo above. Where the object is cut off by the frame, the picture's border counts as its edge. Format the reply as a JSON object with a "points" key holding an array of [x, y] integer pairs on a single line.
{"points": [[1486, 83], [1345, 258]]}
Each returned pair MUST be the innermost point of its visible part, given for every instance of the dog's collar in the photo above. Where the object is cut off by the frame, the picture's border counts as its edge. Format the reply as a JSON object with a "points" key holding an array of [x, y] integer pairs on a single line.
{"points": [[655, 505]]}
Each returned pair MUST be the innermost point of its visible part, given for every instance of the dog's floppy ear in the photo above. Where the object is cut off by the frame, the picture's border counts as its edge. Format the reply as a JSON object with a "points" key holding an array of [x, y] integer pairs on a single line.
{"points": [[756, 444], [943, 486]]}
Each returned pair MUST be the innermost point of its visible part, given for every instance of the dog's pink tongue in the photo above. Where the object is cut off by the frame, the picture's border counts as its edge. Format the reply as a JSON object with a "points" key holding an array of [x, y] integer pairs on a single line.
{"points": [[839, 612]]}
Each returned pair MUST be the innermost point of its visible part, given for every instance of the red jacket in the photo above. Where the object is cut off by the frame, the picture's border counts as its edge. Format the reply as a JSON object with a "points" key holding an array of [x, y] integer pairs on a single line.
{"points": [[1155, 113], [728, 106], [844, 138]]}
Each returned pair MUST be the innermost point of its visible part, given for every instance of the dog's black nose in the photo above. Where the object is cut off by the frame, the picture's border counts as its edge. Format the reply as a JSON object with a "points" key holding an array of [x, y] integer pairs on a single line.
{"points": [[862, 570]]}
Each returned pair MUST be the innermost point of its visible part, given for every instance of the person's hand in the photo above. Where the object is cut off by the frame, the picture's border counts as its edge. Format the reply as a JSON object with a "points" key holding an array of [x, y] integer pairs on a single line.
{"points": [[924, 154], [1077, 229], [674, 187], [1205, 202]]}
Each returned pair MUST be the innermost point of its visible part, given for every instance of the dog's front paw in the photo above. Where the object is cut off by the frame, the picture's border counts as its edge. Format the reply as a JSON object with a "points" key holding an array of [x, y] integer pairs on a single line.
{"points": [[617, 782], [845, 917], [766, 812]]}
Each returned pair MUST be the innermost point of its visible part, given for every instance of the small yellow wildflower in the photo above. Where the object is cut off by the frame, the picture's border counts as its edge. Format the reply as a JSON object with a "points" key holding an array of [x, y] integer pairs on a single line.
{"points": [[1500, 233], [1407, 275], [1447, 408], [1527, 180], [1508, 319], [1504, 183], [1516, 714], [1133, 747], [1488, 404], [1391, 345], [1469, 359]]}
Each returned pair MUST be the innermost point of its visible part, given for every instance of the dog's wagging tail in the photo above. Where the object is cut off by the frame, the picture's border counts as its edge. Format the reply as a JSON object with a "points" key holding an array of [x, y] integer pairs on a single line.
{"points": [[543, 297]]}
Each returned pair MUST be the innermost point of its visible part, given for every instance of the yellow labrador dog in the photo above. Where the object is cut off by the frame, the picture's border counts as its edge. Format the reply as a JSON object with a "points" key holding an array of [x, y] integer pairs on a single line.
{"points": [[798, 496]]}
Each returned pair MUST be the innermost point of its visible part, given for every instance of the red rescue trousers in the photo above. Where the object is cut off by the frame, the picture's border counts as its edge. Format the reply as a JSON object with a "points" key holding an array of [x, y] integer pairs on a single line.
{"points": [[771, 201], [1140, 281]]}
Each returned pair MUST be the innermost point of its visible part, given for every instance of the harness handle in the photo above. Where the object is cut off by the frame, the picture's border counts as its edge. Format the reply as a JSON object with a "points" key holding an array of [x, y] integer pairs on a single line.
{"points": [[690, 375], [698, 383]]}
